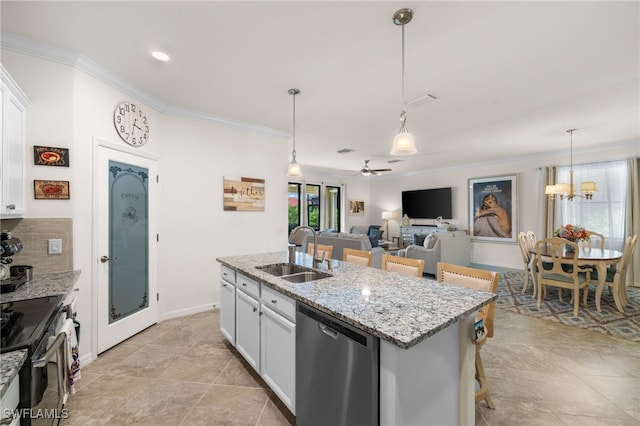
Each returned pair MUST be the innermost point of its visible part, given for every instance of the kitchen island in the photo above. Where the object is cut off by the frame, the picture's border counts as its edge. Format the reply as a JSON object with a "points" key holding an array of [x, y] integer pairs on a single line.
{"points": [[425, 330]]}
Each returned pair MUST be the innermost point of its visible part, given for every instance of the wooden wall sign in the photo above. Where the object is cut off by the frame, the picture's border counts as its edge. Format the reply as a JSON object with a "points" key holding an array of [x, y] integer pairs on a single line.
{"points": [[243, 194], [50, 156], [51, 189]]}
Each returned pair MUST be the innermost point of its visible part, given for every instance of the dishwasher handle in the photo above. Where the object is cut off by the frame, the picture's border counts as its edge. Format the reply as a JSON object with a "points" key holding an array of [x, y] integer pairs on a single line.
{"points": [[328, 331]]}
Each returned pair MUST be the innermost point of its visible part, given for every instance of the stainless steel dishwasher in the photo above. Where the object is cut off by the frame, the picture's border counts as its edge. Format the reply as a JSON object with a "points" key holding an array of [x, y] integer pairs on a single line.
{"points": [[337, 376]]}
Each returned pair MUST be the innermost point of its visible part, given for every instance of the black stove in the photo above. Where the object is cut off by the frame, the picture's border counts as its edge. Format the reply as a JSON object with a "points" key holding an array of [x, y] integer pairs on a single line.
{"points": [[25, 321], [28, 324]]}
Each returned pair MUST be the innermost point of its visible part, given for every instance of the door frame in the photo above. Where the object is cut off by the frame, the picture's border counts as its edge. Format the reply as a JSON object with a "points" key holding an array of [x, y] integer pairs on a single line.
{"points": [[97, 144]]}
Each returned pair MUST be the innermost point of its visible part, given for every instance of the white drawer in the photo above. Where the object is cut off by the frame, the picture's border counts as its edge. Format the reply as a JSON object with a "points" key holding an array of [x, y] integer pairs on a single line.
{"points": [[227, 274], [248, 285], [280, 303]]}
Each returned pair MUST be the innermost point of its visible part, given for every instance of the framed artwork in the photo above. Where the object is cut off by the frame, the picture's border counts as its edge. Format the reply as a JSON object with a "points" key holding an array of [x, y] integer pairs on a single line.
{"points": [[243, 194], [51, 189], [50, 156], [356, 208], [493, 208]]}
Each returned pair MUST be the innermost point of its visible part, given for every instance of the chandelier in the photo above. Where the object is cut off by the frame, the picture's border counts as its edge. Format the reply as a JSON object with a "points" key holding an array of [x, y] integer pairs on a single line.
{"points": [[566, 190]]}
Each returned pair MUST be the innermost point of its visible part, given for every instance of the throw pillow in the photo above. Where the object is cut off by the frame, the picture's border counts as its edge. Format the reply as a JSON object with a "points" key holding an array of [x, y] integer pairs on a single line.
{"points": [[418, 239], [426, 241], [432, 241]]}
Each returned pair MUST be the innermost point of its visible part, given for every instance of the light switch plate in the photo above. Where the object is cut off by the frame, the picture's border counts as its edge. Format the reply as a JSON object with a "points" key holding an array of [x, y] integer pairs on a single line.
{"points": [[55, 246]]}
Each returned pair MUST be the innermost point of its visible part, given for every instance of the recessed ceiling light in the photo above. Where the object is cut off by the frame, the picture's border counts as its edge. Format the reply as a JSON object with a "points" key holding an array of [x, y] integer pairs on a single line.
{"points": [[160, 56]]}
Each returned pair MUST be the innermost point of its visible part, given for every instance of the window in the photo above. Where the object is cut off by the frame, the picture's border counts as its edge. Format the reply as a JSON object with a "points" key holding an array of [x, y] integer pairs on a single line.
{"points": [[293, 201], [322, 206], [312, 196], [605, 213]]}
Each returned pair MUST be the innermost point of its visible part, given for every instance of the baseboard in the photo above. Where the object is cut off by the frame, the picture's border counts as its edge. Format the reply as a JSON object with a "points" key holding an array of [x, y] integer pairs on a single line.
{"points": [[189, 311]]}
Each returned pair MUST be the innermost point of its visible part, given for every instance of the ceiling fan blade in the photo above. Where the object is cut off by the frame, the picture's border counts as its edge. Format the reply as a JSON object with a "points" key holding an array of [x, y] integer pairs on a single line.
{"points": [[381, 170]]}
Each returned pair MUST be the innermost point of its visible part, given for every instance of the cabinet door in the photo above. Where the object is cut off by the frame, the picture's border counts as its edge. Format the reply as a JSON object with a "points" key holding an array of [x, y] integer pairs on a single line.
{"points": [[278, 355], [228, 311], [248, 328], [13, 185]]}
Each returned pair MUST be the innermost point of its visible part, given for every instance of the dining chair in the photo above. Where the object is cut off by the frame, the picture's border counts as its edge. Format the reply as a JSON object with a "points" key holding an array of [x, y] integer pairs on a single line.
{"points": [[324, 250], [359, 257], [558, 271], [523, 242], [616, 279], [403, 265], [478, 279], [599, 240]]}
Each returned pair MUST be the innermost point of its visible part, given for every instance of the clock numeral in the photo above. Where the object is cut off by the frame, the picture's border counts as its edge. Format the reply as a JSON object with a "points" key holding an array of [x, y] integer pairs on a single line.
{"points": [[133, 107]]}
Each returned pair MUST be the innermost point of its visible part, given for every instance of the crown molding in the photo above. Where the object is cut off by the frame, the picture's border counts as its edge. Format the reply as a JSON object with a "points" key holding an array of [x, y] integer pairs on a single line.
{"points": [[80, 62]]}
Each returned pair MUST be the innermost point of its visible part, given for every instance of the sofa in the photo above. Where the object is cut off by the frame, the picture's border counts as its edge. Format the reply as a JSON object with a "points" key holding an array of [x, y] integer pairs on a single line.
{"points": [[450, 246], [340, 240], [372, 231]]}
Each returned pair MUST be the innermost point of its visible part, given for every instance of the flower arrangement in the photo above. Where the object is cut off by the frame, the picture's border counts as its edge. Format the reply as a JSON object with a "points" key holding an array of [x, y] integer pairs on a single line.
{"points": [[573, 233]]}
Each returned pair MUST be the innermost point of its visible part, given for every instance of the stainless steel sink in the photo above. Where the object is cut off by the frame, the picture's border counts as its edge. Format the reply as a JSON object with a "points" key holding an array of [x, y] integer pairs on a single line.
{"points": [[294, 273], [284, 269], [303, 277]]}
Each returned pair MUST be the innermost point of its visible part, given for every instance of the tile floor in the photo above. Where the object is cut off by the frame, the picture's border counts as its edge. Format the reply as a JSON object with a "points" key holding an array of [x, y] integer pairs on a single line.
{"points": [[181, 372]]}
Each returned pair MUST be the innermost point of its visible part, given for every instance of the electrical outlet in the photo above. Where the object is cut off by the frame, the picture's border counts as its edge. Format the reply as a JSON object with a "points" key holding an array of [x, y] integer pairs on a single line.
{"points": [[55, 246]]}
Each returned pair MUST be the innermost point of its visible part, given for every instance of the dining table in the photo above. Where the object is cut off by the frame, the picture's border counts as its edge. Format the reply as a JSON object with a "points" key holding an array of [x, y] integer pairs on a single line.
{"points": [[597, 258]]}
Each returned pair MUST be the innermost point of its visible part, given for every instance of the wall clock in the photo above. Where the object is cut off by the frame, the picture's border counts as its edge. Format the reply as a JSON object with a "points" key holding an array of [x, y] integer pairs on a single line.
{"points": [[131, 124]]}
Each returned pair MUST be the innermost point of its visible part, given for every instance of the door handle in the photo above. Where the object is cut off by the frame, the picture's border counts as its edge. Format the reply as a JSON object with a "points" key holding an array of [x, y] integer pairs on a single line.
{"points": [[105, 259]]}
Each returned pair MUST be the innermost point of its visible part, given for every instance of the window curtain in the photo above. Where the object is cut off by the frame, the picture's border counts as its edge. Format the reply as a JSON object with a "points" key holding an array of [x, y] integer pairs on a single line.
{"points": [[633, 216], [547, 208]]}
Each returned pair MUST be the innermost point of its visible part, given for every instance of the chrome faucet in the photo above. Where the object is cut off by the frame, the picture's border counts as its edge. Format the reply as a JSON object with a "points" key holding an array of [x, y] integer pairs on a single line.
{"points": [[316, 260]]}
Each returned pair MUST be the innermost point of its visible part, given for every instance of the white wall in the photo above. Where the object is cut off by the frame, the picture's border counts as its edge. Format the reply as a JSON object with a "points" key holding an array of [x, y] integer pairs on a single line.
{"points": [[73, 110], [386, 193]]}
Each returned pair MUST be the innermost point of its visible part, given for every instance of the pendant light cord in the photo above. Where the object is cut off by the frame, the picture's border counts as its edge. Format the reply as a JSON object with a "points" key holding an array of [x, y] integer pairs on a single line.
{"points": [[402, 68], [294, 127]]}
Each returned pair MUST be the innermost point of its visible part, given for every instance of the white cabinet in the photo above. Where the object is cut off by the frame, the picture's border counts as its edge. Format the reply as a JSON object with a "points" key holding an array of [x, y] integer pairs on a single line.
{"points": [[13, 104], [228, 304], [278, 348], [10, 403], [248, 320], [278, 355]]}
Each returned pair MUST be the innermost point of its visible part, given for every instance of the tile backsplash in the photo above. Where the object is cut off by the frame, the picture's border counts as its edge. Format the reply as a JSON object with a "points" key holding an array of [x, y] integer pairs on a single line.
{"points": [[34, 235]]}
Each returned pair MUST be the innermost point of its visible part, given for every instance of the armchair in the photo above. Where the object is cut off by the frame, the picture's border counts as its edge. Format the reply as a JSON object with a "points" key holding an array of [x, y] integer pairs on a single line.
{"points": [[450, 247]]}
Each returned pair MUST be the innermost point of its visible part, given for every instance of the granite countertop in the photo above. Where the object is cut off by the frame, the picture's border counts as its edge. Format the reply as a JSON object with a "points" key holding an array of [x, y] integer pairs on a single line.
{"points": [[10, 364], [397, 308], [42, 285]]}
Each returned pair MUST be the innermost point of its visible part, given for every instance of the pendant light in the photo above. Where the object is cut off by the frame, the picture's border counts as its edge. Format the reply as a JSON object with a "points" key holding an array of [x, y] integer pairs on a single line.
{"points": [[294, 168], [403, 143], [567, 190]]}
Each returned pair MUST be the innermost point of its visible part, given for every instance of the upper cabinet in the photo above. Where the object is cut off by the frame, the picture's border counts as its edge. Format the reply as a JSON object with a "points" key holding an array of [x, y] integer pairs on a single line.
{"points": [[14, 104]]}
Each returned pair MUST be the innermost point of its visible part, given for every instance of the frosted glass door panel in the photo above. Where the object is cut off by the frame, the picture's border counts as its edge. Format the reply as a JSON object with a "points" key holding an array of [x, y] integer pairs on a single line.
{"points": [[128, 240]]}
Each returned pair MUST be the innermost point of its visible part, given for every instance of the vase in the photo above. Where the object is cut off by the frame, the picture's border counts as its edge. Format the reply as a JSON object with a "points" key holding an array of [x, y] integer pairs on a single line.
{"points": [[569, 248]]}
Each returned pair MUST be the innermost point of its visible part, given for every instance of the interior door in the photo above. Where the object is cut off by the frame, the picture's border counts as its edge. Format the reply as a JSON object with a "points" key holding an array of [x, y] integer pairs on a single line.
{"points": [[126, 246]]}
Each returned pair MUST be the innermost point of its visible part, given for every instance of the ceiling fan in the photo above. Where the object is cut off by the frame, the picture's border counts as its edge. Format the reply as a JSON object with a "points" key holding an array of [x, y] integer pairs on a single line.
{"points": [[368, 171]]}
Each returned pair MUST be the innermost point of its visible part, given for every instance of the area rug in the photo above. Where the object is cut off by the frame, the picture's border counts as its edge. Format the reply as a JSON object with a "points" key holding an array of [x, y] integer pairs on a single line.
{"points": [[610, 321]]}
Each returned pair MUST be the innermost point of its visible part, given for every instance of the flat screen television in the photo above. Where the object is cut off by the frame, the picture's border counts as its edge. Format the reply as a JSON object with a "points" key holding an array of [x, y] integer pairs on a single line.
{"points": [[427, 203]]}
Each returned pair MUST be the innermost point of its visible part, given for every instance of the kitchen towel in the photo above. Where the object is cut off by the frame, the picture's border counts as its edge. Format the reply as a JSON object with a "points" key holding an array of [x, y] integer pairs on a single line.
{"points": [[73, 357]]}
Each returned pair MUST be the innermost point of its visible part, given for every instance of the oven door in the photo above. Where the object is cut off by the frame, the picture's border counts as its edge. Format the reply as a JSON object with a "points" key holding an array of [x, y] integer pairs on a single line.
{"points": [[51, 399]]}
